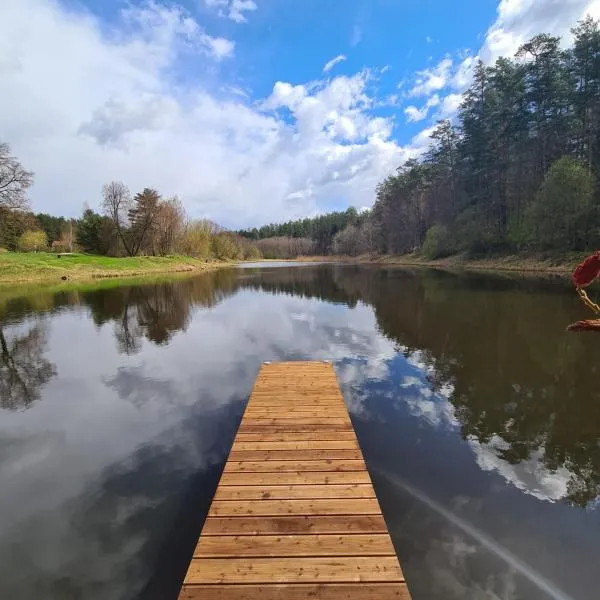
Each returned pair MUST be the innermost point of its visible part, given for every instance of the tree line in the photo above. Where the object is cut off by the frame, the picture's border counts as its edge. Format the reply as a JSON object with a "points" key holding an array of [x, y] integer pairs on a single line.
{"points": [[303, 236], [516, 171], [126, 225]]}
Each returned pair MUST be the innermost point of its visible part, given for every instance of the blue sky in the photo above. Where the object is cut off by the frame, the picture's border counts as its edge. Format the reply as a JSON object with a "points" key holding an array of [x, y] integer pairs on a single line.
{"points": [[229, 103]]}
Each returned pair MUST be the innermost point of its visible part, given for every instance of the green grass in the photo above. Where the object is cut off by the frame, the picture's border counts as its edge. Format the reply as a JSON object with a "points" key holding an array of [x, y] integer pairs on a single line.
{"points": [[16, 266]]}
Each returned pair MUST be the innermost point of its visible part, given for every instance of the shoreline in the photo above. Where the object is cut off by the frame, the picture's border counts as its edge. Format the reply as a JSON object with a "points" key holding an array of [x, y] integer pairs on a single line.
{"points": [[48, 269], [509, 263]]}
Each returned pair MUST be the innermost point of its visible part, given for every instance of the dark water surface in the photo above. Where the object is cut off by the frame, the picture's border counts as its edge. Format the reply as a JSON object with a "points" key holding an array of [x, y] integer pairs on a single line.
{"points": [[479, 418]]}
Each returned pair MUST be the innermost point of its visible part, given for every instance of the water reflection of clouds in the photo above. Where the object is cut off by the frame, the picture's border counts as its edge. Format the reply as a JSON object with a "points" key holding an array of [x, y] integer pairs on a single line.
{"points": [[530, 476], [415, 394], [105, 409]]}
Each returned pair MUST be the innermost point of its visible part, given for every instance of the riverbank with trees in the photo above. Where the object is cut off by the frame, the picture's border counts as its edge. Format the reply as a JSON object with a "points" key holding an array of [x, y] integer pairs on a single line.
{"points": [[131, 234], [515, 174]]}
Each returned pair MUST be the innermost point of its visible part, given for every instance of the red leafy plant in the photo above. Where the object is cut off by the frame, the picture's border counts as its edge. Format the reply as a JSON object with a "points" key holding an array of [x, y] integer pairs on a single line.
{"points": [[584, 274]]}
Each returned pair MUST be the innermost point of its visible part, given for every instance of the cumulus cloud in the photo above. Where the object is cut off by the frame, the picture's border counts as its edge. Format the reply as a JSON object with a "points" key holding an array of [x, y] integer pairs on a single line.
{"points": [[519, 20], [449, 105], [114, 110], [334, 61], [464, 73], [414, 114], [432, 80], [233, 9]]}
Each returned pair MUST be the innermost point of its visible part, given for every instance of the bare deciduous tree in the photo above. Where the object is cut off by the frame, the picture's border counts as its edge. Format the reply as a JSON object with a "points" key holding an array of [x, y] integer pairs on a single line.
{"points": [[14, 181], [169, 225], [285, 247], [116, 205]]}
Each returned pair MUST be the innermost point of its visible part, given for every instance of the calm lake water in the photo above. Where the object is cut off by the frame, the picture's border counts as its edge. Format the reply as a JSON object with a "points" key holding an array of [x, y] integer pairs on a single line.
{"points": [[479, 418]]}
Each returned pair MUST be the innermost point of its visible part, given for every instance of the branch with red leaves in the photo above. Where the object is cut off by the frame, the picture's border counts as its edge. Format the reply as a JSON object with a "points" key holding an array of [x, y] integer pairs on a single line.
{"points": [[584, 274]]}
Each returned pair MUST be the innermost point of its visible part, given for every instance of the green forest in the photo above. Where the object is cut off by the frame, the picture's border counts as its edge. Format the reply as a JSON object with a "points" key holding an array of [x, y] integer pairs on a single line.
{"points": [[516, 171]]}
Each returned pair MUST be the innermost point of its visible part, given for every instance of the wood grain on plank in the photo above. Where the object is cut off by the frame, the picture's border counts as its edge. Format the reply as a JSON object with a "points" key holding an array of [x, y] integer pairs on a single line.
{"points": [[290, 436], [294, 545], [308, 413], [267, 455], [283, 420], [299, 445], [295, 478], [288, 492], [329, 428], [274, 466], [294, 570], [321, 506], [299, 591], [294, 525]]}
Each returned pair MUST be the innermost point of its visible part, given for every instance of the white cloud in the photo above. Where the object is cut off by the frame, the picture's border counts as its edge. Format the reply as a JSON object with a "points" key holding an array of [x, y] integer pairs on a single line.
{"points": [[519, 20], [233, 9], [414, 114], [218, 47], [334, 61], [113, 110], [422, 140], [432, 80], [530, 476], [449, 105], [464, 73], [429, 39]]}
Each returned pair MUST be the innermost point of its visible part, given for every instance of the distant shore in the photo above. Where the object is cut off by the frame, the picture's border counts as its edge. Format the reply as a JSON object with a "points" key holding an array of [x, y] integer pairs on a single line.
{"points": [[41, 266], [563, 265]]}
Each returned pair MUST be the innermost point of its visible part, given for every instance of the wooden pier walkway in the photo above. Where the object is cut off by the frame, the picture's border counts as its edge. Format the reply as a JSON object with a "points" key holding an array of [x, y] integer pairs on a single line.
{"points": [[295, 515]]}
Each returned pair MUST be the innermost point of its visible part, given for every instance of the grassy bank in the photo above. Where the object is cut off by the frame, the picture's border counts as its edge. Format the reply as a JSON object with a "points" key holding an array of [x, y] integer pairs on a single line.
{"points": [[19, 267], [559, 264]]}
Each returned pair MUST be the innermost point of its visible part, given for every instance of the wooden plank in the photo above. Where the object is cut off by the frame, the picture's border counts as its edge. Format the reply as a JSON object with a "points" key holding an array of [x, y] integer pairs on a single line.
{"points": [[330, 429], [294, 545], [296, 478], [288, 492], [295, 413], [321, 506], [282, 420], [294, 525], [295, 455], [291, 436], [295, 515], [299, 591], [300, 445], [300, 404], [274, 466], [294, 570]]}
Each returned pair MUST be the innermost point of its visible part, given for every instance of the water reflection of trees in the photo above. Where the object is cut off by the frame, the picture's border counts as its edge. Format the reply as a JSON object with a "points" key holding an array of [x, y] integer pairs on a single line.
{"points": [[498, 342], [156, 311], [23, 367], [515, 375], [153, 311]]}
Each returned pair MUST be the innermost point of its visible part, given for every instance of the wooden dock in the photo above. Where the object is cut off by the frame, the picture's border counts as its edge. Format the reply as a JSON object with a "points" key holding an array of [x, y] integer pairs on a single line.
{"points": [[295, 515]]}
